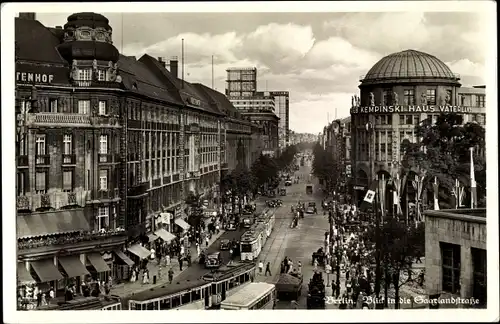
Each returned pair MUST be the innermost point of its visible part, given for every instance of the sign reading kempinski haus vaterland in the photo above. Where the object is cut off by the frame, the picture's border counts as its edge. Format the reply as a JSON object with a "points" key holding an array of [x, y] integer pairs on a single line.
{"points": [[411, 109]]}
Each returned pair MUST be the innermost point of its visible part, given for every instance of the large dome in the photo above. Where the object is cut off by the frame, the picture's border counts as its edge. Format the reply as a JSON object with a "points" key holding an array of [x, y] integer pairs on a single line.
{"points": [[409, 64]]}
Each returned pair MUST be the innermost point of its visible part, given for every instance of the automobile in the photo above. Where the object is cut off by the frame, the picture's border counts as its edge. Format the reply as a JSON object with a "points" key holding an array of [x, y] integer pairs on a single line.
{"points": [[288, 183], [213, 261], [310, 210], [311, 204], [309, 189], [247, 222], [231, 226], [225, 244], [282, 192]]}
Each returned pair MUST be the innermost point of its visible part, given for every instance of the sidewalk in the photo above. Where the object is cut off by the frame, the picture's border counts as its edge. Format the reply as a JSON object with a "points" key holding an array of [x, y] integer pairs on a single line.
{"points": [[127, 288]]}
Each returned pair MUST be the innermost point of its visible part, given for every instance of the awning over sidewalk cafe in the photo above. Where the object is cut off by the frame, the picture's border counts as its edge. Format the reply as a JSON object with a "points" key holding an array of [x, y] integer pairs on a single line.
{"points": [[124, 258], [165, 235], [72, 266], [139, 250], [185, 226], [98, 262], [23, 276], [46, 270]]}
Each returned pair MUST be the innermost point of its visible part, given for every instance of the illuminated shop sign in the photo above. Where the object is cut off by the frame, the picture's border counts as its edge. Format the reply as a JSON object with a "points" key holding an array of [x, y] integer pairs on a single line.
{"points": [[411, 109]]}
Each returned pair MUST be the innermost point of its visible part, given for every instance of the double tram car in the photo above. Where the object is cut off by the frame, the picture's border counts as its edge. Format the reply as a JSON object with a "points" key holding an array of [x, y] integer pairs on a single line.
{"points": [[250, 245]]}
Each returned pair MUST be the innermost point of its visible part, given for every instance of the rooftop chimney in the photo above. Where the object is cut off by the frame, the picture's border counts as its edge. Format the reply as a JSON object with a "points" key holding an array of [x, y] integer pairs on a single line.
{"points": [[162, 62], [174, 66], [27, 15]]}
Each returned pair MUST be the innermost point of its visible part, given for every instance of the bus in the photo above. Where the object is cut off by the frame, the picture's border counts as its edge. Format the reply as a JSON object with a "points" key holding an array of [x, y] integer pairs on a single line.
{"points": [[254, 296]]}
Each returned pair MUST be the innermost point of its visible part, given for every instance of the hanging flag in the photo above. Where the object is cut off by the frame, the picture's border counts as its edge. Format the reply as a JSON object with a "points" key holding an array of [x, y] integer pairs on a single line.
{"points": [[435, 186], [454, 192], [473, 192], [369, 197], [461, 196]]}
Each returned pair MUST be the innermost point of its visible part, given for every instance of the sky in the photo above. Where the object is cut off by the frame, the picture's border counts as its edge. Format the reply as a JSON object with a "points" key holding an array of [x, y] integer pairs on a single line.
{"points": [[318, 57]]}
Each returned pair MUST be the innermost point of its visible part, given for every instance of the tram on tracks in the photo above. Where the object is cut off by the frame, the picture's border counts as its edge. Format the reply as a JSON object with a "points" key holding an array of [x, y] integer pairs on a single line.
{"points": [[268, 220], [206, 292], [252, 241]]}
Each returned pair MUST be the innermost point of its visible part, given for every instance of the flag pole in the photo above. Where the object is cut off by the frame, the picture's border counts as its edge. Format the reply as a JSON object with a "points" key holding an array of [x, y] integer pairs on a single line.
{"points": [[473, 192]]}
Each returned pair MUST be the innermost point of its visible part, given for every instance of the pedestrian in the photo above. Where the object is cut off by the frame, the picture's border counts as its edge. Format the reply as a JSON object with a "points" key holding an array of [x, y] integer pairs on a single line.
{"points": [[159, 272], [52, 294], [167, 260], [206, 241], [145, 278], [39, 298], [261, 266], [268, 269], [197, 249], [170, 275], [180, 263], [153, 255], [315, 265], [299, 266]]}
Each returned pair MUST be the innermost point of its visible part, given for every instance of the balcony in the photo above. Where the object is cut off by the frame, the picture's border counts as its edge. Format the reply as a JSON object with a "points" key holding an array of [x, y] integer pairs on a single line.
{"points": [[42, 159], [69, 159], [56, 119], [22, 161], [138, 190], [55, 200], [105, 194], [105, 158], [98, 84]]}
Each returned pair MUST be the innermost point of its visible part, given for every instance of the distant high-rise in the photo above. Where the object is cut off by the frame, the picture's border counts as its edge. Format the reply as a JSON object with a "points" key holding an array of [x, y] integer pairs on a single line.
{"points": [[241, 82], [282, 105]]}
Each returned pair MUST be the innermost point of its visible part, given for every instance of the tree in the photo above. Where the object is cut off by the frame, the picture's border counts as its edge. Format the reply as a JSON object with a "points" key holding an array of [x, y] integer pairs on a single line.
{"points": [[243, 181], [286, 158], [326, 168], [264, 170], [194, 209], [443, 152]]}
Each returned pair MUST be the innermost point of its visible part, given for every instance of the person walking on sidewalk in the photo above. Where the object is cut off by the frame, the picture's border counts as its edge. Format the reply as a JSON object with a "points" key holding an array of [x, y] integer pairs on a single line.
{"points": [[170, 275], [167, 260], [261, 266], [299, 266], [197, 249], [206, 241], [268, 269], [180, 262]]}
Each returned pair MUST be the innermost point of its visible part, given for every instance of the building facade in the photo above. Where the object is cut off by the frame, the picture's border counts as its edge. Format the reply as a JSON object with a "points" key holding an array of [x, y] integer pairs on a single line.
{"points": [[336, 139], [396, 94], [107, 149], [455, 256], [256, 106], [282, 104]]}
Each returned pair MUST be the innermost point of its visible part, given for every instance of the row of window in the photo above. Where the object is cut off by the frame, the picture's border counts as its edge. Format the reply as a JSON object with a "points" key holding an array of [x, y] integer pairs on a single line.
{"points": [[83, 107], [408, 97], [41, 144], [409, 119]]}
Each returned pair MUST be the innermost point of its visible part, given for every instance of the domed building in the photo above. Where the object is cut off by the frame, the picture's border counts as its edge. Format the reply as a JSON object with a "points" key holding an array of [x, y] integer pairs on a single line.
{"points": [[396, 94]]}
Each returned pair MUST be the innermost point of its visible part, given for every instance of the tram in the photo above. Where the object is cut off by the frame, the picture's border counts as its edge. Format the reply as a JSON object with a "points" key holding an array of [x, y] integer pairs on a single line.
{"points": [[206, 292], [268, 220], [251, 245]]}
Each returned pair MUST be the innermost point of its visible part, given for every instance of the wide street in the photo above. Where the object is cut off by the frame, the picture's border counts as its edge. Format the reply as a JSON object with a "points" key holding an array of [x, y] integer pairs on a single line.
{"points": [[298, 243]]}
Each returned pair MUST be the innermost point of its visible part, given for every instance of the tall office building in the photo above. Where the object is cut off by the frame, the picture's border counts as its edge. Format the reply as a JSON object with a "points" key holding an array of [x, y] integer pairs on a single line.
{"points": [[282, 106], [241, 82]]}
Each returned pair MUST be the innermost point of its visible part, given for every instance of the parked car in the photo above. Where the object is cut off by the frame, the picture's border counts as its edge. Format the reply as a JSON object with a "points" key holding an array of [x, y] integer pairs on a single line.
{"points": [[225, 244], [310, 210], [247, 223], [231, 226], [288, 183]]}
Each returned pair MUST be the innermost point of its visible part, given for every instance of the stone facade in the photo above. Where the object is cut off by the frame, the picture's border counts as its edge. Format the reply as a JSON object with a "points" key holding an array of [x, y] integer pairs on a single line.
{"points": [[465, 228]]}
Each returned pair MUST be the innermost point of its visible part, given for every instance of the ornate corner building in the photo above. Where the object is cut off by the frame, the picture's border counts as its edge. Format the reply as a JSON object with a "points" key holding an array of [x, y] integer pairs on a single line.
{"points": [[108, 144], [396, 94]]}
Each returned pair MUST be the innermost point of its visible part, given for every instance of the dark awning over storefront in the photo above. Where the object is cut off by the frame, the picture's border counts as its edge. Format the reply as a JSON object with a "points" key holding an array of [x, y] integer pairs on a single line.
{"points": [[98, 262], [39, 224], [140, 251], [124, 257], [165, 235], [182, 223], [72, 266], [46, 270], [23, 275]]}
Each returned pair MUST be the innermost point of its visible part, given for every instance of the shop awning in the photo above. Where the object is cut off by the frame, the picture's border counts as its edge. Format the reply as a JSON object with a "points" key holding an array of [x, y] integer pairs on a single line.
{"points": [[23, 275], [152, 237], [165, 235], [57, 222], [140, 251], [124, 257], [98, 262], [72, 266], [46, 270], [182, 223]]}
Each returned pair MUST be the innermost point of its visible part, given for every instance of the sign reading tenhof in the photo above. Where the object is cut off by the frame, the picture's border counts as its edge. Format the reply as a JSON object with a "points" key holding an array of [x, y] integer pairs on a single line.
{"points": [[411, 109], [41, 74]]}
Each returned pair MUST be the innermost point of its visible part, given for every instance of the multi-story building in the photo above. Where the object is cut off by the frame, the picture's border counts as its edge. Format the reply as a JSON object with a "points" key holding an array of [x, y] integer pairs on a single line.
{"points": [[241, 82], [455, 259], [397, 93], [107, 149], [336, 139], [282, 104], [257, 106]]}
